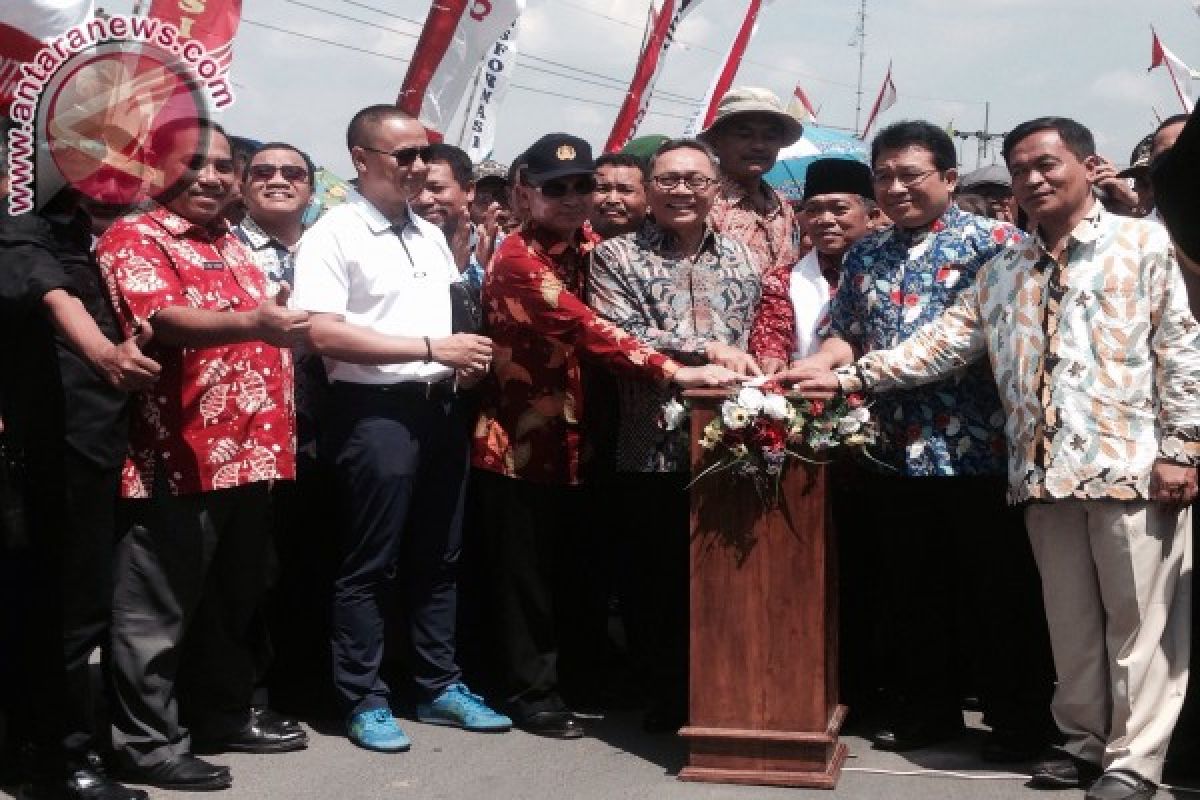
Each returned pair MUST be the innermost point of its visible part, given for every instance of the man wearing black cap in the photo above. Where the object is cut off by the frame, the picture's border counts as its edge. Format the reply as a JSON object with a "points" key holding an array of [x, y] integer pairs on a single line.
{"points": [[530, 440]]}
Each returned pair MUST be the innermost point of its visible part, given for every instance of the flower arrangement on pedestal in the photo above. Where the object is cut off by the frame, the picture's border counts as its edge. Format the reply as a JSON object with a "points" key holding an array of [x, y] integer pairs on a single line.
{"points": [[759, 430]]}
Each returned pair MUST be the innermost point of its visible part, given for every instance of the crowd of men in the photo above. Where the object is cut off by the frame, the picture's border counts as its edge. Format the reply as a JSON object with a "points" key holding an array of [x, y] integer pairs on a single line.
{"points": [[454, 383]]}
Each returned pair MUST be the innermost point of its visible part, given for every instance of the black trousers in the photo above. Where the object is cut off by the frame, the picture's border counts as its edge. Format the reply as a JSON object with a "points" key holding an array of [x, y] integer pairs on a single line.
{"points": [[958, 594], [401, 464], [652, 577], [59, 597], [542, 571], [191, 571]]}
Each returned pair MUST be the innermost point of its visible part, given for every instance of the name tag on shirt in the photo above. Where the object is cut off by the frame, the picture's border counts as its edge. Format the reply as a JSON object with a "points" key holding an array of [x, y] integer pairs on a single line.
{"points": [[214, 265]]}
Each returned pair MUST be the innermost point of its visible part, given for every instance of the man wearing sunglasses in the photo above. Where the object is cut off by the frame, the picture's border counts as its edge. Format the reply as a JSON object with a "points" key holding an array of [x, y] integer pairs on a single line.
{"points": [[377, 278], [277, 186], [531, 438], [205, 447]]}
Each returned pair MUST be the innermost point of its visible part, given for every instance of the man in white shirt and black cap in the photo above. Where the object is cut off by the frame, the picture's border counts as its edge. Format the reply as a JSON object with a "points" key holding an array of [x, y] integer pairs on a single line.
{"points": [[377, 279]]}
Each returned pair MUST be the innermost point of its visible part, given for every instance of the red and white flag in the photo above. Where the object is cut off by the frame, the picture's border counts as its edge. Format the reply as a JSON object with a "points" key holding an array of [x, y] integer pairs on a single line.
{"points": [[458, 35], [637, 98], [25, 26], [212, 23], [1181, 74], [728, 71], [483, 108], [800, 106], [885, 100]]}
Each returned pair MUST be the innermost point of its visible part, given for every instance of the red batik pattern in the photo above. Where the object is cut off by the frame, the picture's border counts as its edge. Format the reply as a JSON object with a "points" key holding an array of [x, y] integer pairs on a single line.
{"points": [[218, 417], [530, 421]]}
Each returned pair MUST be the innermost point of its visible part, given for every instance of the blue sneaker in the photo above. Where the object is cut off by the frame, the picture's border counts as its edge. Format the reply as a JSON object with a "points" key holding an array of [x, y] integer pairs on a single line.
{"points": [[377, 730], [458, 708]]}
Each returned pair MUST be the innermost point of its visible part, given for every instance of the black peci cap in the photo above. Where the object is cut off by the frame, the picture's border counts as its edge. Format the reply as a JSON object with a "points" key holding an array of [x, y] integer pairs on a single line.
{"points": [[838, 176], [555, 155]]}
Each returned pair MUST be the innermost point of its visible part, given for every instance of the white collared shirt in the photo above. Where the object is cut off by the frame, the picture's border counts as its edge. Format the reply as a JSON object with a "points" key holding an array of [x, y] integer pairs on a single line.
{"points": [[352, 263], [810, 298]]}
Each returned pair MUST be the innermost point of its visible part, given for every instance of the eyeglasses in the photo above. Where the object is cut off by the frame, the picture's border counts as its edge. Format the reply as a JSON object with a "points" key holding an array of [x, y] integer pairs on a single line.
{"points": [[405, 156], [290, 172], [558, 189], [907, 180], [694, 181]]}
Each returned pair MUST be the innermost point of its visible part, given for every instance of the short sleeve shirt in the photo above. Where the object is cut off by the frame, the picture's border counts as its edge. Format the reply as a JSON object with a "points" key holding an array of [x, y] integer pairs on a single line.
{"points": [[394, 280], [218, 417]]}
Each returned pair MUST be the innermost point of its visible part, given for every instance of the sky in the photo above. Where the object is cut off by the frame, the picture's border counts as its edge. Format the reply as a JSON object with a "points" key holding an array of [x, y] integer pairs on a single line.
{"points": [[953, 61]]}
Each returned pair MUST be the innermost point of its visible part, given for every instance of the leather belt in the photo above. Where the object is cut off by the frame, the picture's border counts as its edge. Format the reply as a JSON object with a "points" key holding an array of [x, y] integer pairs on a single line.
{"points": [[444, 389]]}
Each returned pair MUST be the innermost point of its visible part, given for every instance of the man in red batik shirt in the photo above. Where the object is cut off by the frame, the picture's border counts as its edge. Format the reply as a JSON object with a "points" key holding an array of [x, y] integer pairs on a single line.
{"points": [[205, 445], [529, 438]]}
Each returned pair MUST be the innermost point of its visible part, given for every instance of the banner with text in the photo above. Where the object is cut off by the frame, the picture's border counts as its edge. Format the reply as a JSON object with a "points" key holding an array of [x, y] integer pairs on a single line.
{"points": [[641, 87], [479, 128], [457, 36], [212, 23]]}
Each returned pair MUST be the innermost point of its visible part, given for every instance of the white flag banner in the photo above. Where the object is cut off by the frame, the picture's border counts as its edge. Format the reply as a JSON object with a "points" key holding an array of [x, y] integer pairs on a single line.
{"points": [[479, 132], [25, 25], [1181, 74], [445, 61]]}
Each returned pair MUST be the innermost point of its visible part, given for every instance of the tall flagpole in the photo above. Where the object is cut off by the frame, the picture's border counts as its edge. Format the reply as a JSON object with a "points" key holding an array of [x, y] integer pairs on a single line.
{"points": [[862, 57]]}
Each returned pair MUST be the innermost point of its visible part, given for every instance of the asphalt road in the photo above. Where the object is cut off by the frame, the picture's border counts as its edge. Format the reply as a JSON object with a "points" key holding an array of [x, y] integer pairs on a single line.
{"points": [[618, 762]]}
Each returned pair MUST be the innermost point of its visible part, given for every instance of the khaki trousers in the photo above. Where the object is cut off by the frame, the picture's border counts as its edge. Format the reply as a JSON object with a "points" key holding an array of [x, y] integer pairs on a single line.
{"points": [[1116, 578]]}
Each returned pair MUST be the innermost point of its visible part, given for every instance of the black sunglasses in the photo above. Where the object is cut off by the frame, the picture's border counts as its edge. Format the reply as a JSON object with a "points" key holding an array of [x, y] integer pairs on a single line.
{"points": [[290, 172], [405, 156], [558, 189]]}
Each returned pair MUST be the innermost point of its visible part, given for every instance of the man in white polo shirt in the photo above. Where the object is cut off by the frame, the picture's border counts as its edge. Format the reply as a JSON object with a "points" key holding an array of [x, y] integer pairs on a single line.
{"points": [[376, 278]]}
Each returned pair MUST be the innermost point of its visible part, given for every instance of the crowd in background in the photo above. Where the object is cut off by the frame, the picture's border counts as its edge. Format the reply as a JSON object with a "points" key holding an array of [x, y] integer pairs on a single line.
{"points": [[410, 457]]}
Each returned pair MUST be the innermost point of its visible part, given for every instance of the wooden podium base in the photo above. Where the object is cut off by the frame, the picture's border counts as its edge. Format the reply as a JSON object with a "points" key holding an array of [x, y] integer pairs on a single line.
{"points": [[763, 699], [766, 758]]}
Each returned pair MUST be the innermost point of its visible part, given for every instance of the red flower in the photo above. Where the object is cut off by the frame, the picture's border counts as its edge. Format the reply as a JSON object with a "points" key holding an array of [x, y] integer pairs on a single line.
{"points": [[937, 226], [817, 407], [911, 300], [768, 434], [1002, 234], [855, 400]]}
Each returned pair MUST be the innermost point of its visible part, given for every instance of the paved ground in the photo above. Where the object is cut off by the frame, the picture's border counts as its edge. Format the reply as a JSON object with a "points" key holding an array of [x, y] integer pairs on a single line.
{"points": [[618, 763]]}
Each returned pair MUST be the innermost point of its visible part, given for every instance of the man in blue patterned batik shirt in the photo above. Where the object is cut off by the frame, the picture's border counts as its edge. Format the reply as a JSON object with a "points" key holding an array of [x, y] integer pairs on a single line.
{"points": [[958, 583]]}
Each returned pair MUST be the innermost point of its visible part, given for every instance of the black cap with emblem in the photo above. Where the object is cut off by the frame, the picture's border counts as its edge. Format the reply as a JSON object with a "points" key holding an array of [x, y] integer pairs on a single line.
{"points": [[555, 155]]}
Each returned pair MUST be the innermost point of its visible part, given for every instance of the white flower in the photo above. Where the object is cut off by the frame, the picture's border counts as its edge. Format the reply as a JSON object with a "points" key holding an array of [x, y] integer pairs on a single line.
{"points": [[848, 424], [673, 414], [861, 414], [751, 399], [776, 406], [734, 416]]}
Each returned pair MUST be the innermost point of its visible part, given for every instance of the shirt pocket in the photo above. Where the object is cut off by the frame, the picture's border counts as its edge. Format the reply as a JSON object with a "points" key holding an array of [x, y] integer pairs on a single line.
{"points": [[1119, 325]]}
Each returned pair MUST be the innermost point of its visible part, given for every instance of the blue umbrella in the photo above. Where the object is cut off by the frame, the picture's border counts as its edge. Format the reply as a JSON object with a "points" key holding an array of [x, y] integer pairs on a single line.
{"points": [[792, 165]]}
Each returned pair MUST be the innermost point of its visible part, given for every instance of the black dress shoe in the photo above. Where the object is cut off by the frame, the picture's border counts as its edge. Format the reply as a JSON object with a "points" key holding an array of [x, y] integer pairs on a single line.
{"points": [[554, 724], [1061, 770], [270, 717], [1121, 784], [262, 734], [915, 735], [186, 773], [82, 784]]}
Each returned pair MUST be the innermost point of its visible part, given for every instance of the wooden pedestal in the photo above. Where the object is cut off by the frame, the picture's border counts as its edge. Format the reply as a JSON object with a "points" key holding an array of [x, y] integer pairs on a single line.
{"points": [[763, 707]]}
